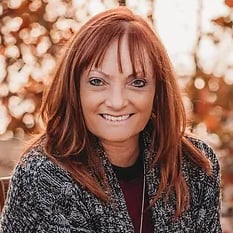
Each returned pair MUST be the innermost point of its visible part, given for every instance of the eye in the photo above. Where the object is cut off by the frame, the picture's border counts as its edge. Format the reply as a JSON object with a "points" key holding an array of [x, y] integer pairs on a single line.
{"points": [[96, 81], [138, 82]]}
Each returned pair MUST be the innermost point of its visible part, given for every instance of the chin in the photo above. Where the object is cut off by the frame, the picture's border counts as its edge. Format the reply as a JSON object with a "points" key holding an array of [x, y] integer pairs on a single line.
{"points": [[117, 139]]}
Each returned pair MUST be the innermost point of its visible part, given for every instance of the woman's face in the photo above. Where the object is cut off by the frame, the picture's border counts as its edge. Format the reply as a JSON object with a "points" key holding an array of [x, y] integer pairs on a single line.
{"points": [[117, 105]]}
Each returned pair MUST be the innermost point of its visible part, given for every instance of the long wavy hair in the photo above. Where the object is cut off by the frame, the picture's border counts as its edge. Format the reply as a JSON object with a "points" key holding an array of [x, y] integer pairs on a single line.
{"points": [[68, 141]]}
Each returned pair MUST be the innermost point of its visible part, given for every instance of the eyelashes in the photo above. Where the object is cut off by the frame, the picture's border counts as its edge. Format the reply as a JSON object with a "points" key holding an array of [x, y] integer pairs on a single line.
{"points": [[96, 81], [138, 82]]}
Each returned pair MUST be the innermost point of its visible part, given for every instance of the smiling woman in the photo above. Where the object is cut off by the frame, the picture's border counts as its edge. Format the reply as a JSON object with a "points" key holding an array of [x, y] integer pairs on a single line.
{"points": [[114, 156], [115, 97]]}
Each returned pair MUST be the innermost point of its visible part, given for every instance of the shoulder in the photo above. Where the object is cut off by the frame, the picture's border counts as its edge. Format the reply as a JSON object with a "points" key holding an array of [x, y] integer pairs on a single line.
{"points": [[196, 172], [37, 173], [204, 188], [45, 194], [205, 148], [35, 162]]}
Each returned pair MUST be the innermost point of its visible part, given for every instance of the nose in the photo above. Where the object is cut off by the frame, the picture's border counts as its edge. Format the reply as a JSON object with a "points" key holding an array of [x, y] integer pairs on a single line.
{"points": [[116, 98]]}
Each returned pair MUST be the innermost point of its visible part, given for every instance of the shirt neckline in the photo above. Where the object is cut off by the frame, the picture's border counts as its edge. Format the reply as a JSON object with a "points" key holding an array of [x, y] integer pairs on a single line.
{"points": [[131, 172]]}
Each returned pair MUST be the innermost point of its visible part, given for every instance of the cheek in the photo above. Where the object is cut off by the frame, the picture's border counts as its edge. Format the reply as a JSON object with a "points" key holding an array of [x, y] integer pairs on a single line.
{"points": [[86, 107], [147, 107], [90, 106], [146, 102]]}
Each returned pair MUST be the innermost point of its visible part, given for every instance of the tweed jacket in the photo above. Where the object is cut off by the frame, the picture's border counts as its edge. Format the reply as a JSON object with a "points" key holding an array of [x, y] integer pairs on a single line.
{"points": [[44, 198]]}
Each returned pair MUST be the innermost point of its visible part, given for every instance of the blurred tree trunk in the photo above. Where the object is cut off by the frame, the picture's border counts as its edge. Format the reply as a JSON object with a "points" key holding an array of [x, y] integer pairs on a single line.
{"points": [[122, 2]]}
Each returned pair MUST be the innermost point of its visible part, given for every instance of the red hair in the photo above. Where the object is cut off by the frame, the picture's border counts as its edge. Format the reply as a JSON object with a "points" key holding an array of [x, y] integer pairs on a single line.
{"points": [[68, 141]]}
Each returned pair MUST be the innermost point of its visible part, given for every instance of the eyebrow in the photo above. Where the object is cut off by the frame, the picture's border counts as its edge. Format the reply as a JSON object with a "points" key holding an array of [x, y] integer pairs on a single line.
{"points": [[139, 73], [99, 71]]}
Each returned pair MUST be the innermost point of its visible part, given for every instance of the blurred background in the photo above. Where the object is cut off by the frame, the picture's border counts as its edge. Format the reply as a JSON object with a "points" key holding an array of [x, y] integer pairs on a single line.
{"points": [[198, 35]]}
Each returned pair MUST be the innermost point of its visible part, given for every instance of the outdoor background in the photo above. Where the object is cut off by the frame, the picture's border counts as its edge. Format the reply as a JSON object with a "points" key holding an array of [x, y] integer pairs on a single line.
{"points": [[198, 35]]}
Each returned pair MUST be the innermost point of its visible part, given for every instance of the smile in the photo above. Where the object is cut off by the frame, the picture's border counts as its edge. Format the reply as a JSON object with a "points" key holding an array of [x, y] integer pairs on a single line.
{"points": [[115, 118]]}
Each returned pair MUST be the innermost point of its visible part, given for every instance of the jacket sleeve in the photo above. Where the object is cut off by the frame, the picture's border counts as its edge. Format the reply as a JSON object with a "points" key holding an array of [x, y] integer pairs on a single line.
{"points": [[42, 199], [208, 217]]}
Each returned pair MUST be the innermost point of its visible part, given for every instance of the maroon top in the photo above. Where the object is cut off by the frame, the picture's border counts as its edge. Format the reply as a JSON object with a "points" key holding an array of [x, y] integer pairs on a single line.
{"points": [[131, 183]]}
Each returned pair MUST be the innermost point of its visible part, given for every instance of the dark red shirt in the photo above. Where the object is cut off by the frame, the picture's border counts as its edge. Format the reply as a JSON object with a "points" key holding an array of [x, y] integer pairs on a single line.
{"points": [[131, 183]]}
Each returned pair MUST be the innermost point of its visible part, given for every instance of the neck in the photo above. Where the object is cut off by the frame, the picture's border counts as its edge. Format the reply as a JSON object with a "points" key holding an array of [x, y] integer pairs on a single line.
{"points": [[122, 154]]}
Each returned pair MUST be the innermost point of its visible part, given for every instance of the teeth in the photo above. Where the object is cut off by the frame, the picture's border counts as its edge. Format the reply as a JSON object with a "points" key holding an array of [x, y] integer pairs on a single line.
{"points": [[115, 118]]}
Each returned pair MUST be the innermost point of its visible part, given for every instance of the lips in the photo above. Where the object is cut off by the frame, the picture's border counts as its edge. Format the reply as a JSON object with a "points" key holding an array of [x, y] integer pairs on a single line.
{"points": [[115, 118]]}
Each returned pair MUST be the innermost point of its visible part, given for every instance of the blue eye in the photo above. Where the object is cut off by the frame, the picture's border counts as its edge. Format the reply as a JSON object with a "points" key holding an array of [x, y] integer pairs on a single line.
{"points": [[139, 82], [96, 82]]}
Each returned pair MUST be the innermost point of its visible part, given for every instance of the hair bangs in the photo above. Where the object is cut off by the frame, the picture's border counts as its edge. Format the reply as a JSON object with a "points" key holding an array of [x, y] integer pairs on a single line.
{"points": [[140, 49], [140, 46], [106, 37]]}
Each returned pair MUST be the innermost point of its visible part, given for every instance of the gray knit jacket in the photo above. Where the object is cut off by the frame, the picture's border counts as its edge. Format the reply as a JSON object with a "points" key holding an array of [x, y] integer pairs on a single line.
{"points": [[44, 198]]}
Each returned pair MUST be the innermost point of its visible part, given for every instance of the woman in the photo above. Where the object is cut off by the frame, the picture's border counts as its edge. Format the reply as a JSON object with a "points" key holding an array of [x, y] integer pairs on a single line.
{"points": [[114, 156]]}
